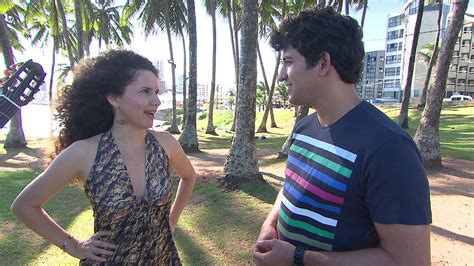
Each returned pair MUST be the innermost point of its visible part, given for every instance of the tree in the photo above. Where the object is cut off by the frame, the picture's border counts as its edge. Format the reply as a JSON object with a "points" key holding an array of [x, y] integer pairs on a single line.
{"points": [[241, 165], [109, 26], [231, 98], [267, 23], [211, 9], [433, 57], [403, 116], [67, 36], [79, 29], [283, 154], [188, 138], [261, 96], [234, 7], [8, 39], [283, 92], [165, 15], [427, 134]]}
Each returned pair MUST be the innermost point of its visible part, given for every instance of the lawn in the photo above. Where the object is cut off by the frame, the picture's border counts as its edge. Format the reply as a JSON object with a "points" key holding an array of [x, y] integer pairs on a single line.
{"points": [[216, 227]]}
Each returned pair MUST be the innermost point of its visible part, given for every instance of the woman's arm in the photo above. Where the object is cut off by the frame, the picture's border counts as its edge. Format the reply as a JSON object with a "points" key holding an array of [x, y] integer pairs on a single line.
{"points": [[181, 164], [28, 206]]}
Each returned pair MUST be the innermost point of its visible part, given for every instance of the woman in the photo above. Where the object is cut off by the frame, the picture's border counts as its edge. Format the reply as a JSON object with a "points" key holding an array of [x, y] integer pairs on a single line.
{"points": [[125, 168]]}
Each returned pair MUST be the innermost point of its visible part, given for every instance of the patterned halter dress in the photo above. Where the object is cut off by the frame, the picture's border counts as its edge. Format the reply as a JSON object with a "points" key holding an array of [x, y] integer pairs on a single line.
{"points": [[139, 225]]}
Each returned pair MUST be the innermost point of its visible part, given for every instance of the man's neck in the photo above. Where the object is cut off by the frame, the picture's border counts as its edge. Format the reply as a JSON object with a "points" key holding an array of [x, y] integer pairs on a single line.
{"points": [[338, 102]]}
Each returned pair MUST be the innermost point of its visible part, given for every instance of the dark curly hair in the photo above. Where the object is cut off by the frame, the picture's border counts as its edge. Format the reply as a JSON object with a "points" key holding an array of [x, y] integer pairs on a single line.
{"points": [[322, 29], [83, 110]]}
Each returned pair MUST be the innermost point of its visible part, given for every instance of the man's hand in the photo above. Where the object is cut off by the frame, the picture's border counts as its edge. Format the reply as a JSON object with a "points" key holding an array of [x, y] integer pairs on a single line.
{"points": [[273, 252]]}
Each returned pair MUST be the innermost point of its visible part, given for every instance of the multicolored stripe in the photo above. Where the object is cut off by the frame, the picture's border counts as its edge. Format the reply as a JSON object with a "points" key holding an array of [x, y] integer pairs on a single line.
{"points": [[317, 174]]}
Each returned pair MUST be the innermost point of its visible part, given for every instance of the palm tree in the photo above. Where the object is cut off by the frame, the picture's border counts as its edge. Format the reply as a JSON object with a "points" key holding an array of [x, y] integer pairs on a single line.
{"points": [[283, 92], [109, 27], [188, 138], [427, 134], [11, 25], [79, 29], [267, 23], [211, 9], [403, 116], [185, 69], [241, 165], [433, 57], [303, 111], [164, 15], [67, 36]]}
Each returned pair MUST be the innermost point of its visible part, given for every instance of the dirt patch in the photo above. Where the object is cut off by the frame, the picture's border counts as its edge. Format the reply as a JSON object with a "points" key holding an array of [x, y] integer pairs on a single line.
{"points": [[452, 193]]}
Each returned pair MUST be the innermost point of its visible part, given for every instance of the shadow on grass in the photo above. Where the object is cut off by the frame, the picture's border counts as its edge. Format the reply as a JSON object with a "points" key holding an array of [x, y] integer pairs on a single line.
{"points": [[19, 244], [190, 249], [226, 223], [263, 191]]}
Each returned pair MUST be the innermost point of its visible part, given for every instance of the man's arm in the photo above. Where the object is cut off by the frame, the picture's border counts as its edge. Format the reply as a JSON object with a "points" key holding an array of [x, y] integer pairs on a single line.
{"points": [[400, 245]]}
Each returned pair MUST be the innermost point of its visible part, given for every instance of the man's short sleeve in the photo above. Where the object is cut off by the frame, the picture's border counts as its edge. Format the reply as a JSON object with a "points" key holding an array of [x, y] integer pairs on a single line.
{"points": [[397, 185]]}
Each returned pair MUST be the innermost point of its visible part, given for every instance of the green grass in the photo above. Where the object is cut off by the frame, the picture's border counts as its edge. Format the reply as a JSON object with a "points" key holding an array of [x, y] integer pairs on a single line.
{"points": [[216, 227], [456, 130]]}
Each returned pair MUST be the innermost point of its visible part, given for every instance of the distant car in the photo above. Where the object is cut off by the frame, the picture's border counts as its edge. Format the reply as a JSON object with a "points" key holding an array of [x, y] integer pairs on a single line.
{"points": [[457, 98], [384, 100]]}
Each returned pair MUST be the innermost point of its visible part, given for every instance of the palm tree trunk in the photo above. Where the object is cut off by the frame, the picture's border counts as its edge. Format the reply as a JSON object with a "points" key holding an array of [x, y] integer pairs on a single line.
{"points": [[263, 124], [237, 59], [422, 101], [66, 33], [283, 154], [347, 7], [364, 11], [403, 117], [241, 165], [185, 68], [210, 119], [174, 125], [79, 30], [427, 134], [188, 138], [15, 136]]}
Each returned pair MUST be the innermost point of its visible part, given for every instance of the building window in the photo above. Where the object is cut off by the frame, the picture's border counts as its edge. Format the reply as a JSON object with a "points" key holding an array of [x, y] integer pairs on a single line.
{"points": [[454, 68], [466, 43], [381, 69], [400, 46], [391, 59], [392, 35], [381, 58], [471, 70], [468, 29], [451, 81], [391, 83], [456, 54], [392, 47], [392, 71], [472, 57], [465, 56], [461, 81], [463, 69], [470, 82], [395, 21], [399, 58]]}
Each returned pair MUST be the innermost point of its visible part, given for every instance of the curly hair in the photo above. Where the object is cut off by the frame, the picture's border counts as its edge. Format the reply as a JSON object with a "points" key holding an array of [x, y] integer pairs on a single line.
{"points": [[319, 30], [83, 109]]}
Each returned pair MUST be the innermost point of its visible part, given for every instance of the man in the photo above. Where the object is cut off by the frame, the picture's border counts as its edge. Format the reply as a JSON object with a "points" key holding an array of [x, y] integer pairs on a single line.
{"points": [[355, 190]]}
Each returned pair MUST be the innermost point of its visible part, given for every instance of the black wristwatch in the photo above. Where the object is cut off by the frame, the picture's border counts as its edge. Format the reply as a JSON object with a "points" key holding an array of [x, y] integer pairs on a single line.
{"points": [[298, 256]]}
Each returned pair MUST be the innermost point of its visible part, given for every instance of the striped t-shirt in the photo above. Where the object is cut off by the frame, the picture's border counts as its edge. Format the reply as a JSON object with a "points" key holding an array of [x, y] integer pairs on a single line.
{"points": [[341, 178]]}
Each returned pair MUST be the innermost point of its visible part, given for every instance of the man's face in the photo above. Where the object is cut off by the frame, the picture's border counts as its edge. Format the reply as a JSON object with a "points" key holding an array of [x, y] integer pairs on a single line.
{"points": [[300, 80]]}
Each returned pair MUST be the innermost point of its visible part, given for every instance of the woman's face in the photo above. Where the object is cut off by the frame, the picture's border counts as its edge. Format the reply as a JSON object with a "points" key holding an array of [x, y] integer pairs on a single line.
{"points": [[138, 104]]}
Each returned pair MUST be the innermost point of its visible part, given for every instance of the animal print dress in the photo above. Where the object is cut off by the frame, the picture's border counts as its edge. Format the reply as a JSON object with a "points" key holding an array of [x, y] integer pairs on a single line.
{"points": [[139, 225]]}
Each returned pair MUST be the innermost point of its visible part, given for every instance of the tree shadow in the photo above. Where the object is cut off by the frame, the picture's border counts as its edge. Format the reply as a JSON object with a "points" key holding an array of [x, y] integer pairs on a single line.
{"points": [[448, 234], [19, 243], [190, 249], [276, 177]]}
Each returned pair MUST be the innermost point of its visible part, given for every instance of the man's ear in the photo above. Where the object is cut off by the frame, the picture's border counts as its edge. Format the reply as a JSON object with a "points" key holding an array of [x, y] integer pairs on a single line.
{"points": [[324, 63], [113, 100]]}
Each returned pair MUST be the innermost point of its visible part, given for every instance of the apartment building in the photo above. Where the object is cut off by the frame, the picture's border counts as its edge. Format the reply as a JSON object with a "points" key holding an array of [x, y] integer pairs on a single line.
{"points": [[371, 85], [400, 28], [461, 71]]}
